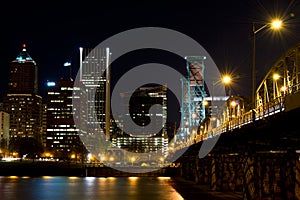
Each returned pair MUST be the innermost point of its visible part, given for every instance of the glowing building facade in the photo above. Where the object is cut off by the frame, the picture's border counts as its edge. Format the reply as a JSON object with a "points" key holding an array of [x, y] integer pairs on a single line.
{"points": [[138, 108], [22, 102], [95, 79], [62, 134], [4, 133]]}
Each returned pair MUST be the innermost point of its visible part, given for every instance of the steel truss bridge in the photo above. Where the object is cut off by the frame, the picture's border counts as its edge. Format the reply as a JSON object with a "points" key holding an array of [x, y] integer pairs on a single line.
{"points": [[278, 92]]}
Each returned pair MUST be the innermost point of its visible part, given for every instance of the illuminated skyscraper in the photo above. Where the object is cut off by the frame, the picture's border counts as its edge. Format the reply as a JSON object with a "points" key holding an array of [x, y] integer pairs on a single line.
{"points": [[62, 134], [140, 103], [95, 78], [22, 101], [4, 133]]}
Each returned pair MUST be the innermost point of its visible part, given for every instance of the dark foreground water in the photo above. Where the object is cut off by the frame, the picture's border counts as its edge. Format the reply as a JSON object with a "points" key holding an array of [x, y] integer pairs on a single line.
{"points": [[81, 188]]}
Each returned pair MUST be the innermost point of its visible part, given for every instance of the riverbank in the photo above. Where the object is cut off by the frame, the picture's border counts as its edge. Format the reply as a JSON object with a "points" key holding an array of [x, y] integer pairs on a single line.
{"points": [[43, 168], [38, 168]]}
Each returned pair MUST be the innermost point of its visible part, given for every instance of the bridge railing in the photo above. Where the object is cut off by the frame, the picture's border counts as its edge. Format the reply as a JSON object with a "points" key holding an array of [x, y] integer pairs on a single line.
{"points": [[271, 108], [261, 112]]}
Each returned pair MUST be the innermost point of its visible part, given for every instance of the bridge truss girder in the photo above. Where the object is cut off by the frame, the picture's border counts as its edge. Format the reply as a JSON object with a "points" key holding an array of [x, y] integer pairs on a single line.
{"points": [[282, 79]]}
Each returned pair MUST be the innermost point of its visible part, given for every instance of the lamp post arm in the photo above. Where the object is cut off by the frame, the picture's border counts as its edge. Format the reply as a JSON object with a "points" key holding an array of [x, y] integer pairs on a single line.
{"points": [[216, 82], [261, 28], [253, 61]]}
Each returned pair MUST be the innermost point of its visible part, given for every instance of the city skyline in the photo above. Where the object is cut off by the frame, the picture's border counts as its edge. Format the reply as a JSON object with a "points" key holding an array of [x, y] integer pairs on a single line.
{"points": [[223, 28], [181, 100], [128, 62]]}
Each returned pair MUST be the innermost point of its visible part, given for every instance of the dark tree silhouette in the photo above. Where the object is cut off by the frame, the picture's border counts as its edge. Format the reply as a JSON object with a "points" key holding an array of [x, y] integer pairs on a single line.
{"points": [[27, 146]]}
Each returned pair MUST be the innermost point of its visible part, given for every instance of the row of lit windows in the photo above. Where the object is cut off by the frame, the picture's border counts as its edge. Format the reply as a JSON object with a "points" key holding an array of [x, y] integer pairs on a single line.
{"points": [[58, 109], [70, 88], [139, 138], [61, 138], [69, 129], [62, 145], [62, 113], [23, 117], [53, 93], [21, 99], [57, 101], [61, 117], [63, 125], [64, 133]]}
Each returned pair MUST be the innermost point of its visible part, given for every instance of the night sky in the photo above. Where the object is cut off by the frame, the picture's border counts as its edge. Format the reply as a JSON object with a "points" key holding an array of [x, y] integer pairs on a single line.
{"points": [[53, 32]]}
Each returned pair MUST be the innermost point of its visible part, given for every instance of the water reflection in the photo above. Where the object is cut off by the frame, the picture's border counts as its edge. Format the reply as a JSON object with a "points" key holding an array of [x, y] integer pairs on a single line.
{"points": [[90, 188]]}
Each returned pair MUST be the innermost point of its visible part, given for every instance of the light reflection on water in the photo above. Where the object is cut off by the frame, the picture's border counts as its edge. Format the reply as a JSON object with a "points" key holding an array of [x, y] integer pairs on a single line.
{"points": [[90, 188]]}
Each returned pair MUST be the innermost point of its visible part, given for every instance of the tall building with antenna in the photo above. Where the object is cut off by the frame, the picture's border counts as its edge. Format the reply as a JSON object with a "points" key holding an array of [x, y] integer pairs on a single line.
{"points": [[95, 78], [22, 101]]}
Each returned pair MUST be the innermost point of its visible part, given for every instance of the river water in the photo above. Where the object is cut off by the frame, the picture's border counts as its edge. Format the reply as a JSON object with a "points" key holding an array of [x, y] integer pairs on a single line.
{"points": [[90, 188]]}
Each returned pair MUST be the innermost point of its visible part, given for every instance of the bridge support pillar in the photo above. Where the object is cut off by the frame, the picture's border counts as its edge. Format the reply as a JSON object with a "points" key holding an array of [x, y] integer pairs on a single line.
{"points": [[249, 186], [213, 185], [297, 176], [226, 173], [260, 175]]}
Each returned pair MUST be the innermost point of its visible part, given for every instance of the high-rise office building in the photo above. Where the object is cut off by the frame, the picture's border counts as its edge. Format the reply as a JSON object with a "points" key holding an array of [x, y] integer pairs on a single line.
{"points": [[4, 133], [95, 79], [62, 134], [22, 102], [138, 108], [44, 124]]}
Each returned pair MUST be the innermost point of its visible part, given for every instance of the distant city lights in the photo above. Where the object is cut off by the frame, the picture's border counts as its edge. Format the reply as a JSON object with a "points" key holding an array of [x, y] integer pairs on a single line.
{"points": [[50, 84], [67, 64]]}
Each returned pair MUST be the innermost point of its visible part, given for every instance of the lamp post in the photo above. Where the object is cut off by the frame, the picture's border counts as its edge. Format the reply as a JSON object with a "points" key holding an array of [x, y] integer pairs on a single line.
{"points": [[275, 25], [132, 160], [226, 79]]}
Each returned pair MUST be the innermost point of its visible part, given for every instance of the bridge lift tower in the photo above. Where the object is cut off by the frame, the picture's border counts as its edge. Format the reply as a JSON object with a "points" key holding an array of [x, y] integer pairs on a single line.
{"points": [[193, 94]]}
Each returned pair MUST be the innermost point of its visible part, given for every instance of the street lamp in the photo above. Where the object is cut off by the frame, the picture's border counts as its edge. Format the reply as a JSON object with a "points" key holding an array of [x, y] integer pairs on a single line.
{"points": [[132, 160], [225, 79], [274, 25]]}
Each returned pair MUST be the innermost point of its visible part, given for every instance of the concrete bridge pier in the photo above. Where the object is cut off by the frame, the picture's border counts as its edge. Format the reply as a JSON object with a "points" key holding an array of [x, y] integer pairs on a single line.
{"points": [[265, 175]]}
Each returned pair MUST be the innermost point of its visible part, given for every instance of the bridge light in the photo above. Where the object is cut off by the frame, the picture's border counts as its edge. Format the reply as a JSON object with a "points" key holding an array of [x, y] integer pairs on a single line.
{"points": [[283, 88], [233, 104], [276, 77], [205, 103], [194, 115]]}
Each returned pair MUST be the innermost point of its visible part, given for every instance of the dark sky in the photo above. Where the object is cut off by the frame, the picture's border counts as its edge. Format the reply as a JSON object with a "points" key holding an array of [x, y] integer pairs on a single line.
{"points": [[54, 30]]}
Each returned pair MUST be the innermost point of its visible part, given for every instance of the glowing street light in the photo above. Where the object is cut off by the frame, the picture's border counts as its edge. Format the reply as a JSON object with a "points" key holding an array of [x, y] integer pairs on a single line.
{"points": [[276, 24], [276, 77], [226, 79], [132, 160]]}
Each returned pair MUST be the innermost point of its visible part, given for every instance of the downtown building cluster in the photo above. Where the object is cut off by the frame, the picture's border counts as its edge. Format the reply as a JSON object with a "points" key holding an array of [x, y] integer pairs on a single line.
{"points": [[53, 128]]}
